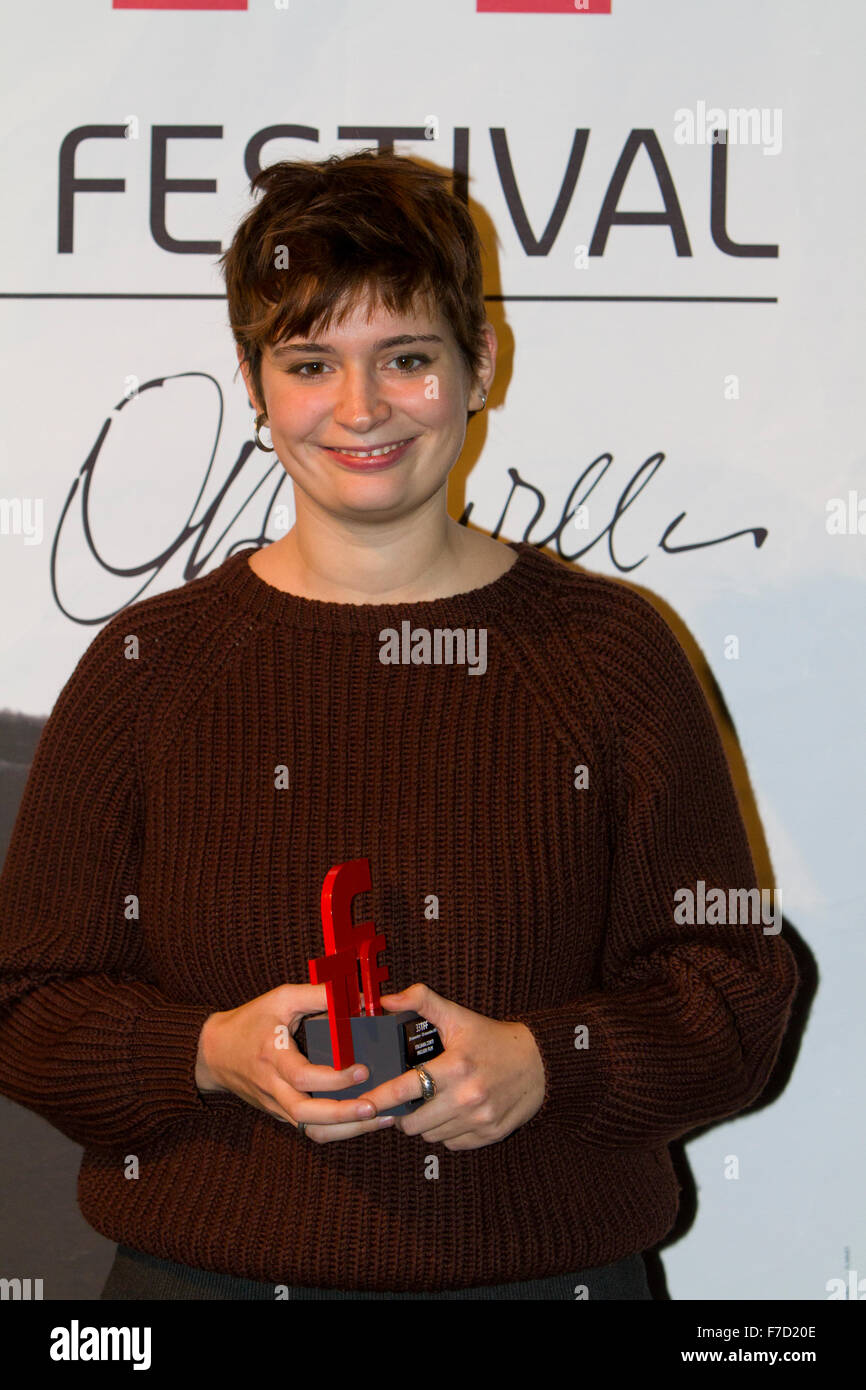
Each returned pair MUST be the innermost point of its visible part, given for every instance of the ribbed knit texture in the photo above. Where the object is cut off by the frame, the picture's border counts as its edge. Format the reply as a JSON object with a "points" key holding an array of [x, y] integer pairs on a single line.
{"points": [[155, 776]]}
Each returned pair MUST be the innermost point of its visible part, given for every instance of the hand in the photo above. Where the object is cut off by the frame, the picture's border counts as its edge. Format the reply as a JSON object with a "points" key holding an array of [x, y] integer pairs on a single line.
{"points": [[251, 1051], [489, 1080]]}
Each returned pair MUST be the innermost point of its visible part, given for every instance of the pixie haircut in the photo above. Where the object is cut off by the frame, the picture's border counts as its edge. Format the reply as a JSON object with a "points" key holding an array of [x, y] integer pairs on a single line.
{"points": [[370, 226]]}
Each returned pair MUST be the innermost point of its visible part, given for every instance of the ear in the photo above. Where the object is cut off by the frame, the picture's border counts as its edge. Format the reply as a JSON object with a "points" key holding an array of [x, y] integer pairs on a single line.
{"points": [[245, 370], [487, 368]]}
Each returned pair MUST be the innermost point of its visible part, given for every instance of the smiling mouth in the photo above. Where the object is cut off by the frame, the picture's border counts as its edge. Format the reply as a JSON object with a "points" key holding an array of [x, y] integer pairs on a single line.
{"points": [[381, 451]]}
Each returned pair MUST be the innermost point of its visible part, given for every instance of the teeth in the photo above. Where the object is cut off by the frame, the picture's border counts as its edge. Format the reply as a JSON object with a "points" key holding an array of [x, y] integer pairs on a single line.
{"points": [[370, 453]]}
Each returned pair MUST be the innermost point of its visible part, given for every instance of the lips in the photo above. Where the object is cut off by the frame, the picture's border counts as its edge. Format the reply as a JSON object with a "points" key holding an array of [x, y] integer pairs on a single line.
{"points": [[366, 453], [370, 458]]}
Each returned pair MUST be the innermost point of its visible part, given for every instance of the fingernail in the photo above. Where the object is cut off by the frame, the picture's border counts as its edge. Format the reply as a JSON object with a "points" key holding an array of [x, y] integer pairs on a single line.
{"points": [[359, 1074], [366, 1110], [385, 1120]]}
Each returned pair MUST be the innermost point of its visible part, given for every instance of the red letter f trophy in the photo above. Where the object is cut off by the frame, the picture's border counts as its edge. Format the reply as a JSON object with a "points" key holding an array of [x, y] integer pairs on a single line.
{"points": [[386, 1043]]}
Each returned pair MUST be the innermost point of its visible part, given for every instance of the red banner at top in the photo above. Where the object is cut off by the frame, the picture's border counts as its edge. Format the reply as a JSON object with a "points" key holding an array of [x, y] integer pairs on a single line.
{"points": [[542, 6], [178, 4]]}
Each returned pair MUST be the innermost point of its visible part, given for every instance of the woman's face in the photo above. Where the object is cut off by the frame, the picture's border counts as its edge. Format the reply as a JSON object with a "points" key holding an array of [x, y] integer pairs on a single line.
{"points": [[395, 380]]}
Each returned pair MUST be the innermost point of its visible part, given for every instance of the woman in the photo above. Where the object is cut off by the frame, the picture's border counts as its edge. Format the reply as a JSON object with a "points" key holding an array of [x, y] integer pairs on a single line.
{"points": [[532, 822]]}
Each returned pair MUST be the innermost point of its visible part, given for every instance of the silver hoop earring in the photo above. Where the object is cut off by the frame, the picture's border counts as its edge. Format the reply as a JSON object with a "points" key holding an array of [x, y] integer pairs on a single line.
{"points": [[265, 448], [483, 399]]}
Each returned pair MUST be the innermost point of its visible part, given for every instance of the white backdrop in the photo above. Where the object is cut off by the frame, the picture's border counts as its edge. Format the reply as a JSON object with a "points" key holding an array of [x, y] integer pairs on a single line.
{"points": [[734, 375]]}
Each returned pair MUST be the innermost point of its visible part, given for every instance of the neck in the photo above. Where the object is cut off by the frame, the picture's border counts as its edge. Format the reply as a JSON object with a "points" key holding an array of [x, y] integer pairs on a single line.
{"points": [[412, 560]]}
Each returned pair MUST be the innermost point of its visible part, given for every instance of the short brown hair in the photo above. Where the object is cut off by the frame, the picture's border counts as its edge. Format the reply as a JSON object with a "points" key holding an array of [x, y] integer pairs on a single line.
{"points": [[367, 225]]}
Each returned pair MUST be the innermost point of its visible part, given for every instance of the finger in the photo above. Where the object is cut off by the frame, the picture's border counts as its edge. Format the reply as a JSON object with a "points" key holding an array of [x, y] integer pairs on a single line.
{"points": [[436, 1125], [429, 1116], [286, 1102], [328, 1134], [298, 1000], [313, 1076], [290, 1108], [468, 1141], [447, 1016], [454, 1129], [403, 1088], [331, 1112], [416, 997]]}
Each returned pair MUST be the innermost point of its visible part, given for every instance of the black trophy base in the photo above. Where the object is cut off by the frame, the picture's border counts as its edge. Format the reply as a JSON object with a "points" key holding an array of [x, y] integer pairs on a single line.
{"points": [[388, 1044]]}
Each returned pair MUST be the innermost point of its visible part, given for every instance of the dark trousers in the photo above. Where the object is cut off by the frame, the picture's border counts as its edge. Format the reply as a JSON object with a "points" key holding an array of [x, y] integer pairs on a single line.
{"points": [[135, 1275]]}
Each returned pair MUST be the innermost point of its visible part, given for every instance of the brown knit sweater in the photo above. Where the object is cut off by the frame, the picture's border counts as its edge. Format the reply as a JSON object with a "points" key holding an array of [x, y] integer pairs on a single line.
{"points": [[499, 878]]}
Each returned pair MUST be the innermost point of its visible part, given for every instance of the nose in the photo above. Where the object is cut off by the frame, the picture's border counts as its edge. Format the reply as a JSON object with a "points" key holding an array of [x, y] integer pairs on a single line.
{"points": [[360, 404]]}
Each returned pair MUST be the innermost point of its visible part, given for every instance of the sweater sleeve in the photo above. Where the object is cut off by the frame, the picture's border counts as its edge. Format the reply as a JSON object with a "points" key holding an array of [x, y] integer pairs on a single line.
{"points": [[87, 1040], [689, 1015]]}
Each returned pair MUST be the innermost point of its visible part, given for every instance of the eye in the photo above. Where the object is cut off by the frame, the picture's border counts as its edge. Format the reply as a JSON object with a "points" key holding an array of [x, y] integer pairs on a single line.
{"points": [[422, 360], [301, 365], [419, 357]]}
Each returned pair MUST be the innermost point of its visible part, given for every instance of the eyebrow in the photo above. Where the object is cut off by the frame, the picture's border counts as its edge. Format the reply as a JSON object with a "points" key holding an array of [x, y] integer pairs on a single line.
{"points": [[403, 340]]}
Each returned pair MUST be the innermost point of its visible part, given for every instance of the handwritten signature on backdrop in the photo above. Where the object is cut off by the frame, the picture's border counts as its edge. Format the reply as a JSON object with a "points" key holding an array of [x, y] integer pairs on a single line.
{"points": [[217, 517]]}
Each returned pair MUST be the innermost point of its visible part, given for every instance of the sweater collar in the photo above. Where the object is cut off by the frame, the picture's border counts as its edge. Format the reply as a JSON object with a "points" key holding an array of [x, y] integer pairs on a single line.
{"points": [[263, 600]]}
